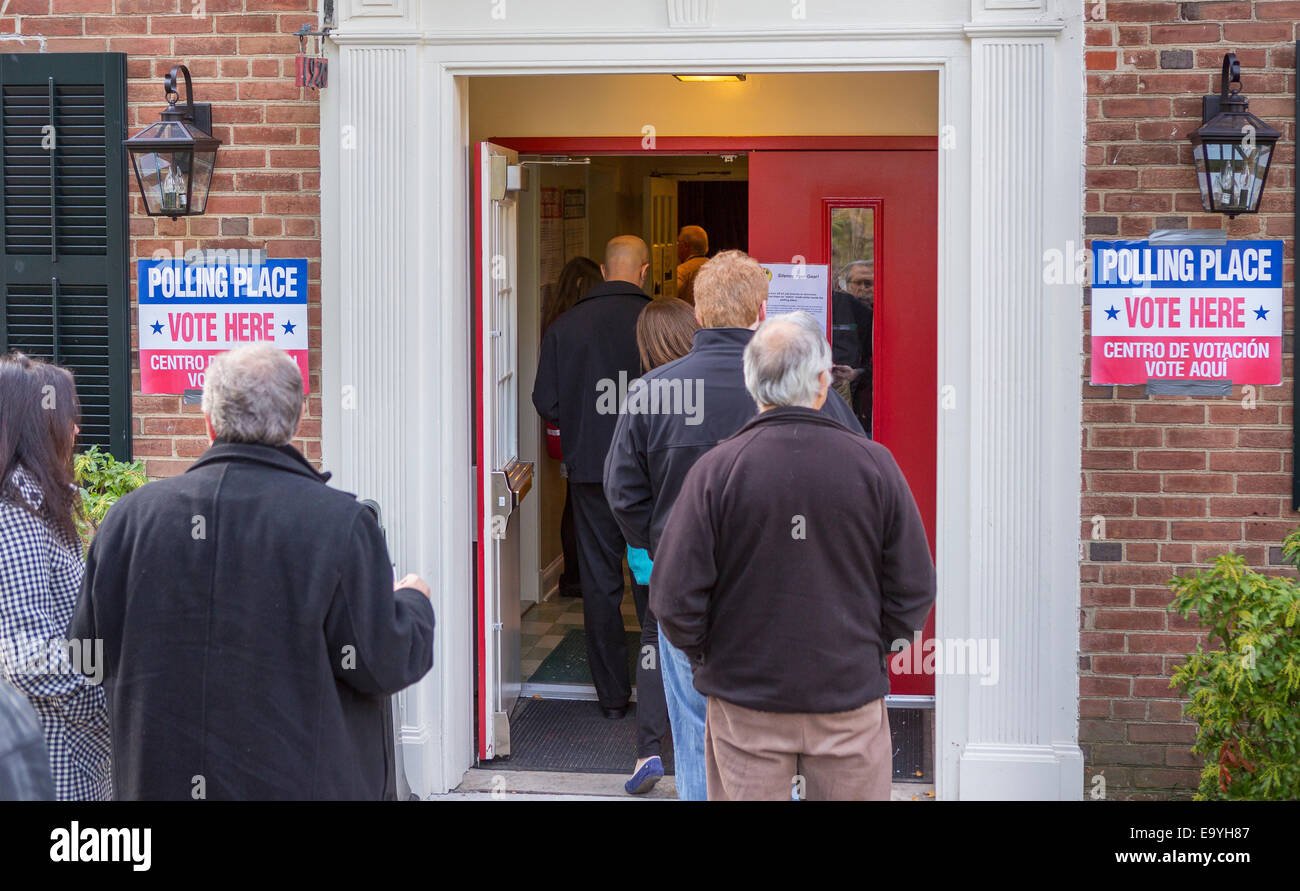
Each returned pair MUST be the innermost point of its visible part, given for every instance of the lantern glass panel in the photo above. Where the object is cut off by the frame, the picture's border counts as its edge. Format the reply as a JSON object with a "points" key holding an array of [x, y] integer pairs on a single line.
{"points": [[1231, 173], [1263, 155], [1202, 175], [146, 172], [165, 180], [202, 180]]}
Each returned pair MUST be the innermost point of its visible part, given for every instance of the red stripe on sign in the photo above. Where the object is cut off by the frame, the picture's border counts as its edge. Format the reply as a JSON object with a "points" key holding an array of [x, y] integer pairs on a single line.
{"points": [[175, 371], [1135, 360]]}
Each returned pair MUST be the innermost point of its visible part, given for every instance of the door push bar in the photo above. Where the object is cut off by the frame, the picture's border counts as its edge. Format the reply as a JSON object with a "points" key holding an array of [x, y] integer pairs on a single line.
{"points": [[509, 487]]}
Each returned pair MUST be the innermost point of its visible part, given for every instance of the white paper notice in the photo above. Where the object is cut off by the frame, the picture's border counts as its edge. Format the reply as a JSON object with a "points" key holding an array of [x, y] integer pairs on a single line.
{"points": [[798, 286]]}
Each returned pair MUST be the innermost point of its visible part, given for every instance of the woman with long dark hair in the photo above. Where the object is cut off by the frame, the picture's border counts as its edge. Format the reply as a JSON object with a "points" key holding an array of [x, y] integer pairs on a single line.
{"points": [[41, 564], [577, 277]]}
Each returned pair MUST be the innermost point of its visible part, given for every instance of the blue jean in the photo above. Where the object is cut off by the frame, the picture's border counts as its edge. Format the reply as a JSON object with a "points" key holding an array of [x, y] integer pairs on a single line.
{"points": [[686, 714]]}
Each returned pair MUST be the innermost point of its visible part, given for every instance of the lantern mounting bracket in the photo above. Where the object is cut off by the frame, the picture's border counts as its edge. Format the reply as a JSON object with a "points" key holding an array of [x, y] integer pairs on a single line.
{"points": [[1229, 87], [197, 113]]}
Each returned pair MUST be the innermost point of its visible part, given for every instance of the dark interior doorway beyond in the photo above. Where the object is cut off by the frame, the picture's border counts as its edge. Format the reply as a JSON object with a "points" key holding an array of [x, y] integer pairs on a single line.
{"points": [[721, 207]]}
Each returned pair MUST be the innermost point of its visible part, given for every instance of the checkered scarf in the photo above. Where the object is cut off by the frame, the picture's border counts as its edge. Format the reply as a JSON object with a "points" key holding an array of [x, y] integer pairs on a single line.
{"points": [[40, 578]]}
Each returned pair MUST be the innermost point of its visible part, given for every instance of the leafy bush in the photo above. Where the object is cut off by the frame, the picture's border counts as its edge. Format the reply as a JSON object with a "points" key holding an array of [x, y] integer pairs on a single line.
{"points": [[1246, 696], [102, 479]]}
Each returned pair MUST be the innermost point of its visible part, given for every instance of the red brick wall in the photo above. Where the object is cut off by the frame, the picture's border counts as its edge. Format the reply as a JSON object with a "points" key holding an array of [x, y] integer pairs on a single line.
{"points": [[266, 188], [1177, 480]]}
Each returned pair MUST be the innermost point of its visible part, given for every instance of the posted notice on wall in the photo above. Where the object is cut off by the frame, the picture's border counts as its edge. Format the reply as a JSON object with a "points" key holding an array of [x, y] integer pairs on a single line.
{"points": [[191, 312], [1187, 312], [798, 286]]}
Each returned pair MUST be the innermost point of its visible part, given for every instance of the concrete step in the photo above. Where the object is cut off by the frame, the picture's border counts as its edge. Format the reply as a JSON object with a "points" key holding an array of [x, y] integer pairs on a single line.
{"points": [[543, 785]]}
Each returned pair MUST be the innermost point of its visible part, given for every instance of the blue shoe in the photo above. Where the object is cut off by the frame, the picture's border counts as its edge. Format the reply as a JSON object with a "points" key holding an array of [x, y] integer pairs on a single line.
{"points": [[644, 779]]}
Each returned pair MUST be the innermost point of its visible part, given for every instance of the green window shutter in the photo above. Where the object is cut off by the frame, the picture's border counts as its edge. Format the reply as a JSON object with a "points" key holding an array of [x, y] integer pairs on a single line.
{"points": [[63, 279]]}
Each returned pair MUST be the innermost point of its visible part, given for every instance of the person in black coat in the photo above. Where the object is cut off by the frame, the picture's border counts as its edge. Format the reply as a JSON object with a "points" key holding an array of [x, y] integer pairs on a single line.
{"points": [[588, 359], [252, 634], [578, 276]]}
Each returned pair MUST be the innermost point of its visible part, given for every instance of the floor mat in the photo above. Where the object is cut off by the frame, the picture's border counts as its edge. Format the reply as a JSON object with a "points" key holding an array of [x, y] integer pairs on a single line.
{"points": [[573, 736], [567, 663], [911, 732]]}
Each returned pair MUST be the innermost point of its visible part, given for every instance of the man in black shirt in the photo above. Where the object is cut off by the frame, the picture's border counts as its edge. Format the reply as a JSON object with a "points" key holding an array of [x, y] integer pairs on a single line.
{"points": [[588, 358]]}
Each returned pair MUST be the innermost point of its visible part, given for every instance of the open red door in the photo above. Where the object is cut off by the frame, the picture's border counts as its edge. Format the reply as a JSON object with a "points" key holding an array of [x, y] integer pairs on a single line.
{"points": [[876, 210]]}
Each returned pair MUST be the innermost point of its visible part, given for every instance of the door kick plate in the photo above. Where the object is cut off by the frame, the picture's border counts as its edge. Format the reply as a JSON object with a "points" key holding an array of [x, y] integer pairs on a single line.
{"points": [[501, 734]]}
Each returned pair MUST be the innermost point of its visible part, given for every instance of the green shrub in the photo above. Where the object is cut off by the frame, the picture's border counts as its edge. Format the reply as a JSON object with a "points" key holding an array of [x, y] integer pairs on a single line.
{"points": [[102, 480], [1245, 697]]}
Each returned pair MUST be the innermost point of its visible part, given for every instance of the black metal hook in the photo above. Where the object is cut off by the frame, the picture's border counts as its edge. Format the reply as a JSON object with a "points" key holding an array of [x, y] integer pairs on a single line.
{"points": [[1231, 75], [169, 85]]}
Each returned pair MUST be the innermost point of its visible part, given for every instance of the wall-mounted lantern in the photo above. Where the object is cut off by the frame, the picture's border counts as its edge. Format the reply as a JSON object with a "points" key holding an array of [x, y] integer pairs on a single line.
{"points": [[1232, 149], [173, 159]]}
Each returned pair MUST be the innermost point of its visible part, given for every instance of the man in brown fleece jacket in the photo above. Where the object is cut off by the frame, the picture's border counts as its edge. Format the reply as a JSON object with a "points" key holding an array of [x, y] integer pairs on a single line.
{"points": [[793, 556]]}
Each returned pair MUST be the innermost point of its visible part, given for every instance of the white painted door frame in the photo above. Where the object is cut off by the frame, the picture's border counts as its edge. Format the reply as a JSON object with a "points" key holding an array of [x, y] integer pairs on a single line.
{"points": [[396, 329]]}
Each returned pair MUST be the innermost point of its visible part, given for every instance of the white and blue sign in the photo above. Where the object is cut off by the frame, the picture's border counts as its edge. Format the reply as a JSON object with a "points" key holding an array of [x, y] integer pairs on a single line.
{"points": [[1187, 312], [188, 313]]}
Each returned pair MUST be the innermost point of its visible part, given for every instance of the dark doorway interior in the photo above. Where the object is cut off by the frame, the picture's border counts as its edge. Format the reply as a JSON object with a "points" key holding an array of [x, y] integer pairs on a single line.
{"points": [[721, 207]]}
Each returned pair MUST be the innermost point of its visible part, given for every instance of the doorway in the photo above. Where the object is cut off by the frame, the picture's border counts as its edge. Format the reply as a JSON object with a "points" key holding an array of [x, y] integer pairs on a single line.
{"points": [[397, 266], [869, 216], [563, 208]]}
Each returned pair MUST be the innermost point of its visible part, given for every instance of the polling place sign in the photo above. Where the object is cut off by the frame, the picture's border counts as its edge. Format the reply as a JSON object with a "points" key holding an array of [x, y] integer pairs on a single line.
{"points": [[190, 312], [1187, 312]]}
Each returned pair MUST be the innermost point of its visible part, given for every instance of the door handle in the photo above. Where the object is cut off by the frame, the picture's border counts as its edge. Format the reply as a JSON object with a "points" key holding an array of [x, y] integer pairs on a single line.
{"points": [[509, 486]]}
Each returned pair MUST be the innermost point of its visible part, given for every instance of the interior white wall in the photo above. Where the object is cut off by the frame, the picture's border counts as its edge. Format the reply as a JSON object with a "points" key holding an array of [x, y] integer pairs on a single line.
{"points": [[532, 446], [853, 103], [1016, 741]]}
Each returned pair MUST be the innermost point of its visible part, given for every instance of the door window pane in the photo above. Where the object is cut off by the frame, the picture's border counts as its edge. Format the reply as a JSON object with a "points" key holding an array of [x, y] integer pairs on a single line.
{"points": [[853, 273]]}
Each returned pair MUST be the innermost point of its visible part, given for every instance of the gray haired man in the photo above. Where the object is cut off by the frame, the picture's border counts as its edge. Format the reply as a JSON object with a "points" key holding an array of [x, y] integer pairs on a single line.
{"points": [[251, 629], [792, 557]]}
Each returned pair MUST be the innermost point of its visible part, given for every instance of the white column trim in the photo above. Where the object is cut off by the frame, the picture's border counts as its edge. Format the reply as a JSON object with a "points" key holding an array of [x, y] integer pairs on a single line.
{"points": [[1021, 734]]}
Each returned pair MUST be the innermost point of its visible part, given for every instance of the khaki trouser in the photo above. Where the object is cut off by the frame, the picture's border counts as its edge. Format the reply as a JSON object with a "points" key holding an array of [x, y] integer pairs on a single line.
{"points": [[758, 756]]}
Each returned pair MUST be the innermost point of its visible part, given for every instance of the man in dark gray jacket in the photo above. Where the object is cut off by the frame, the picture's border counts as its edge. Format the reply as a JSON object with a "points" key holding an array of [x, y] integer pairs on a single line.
{"points": [[252, 634], [793, 556]]}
